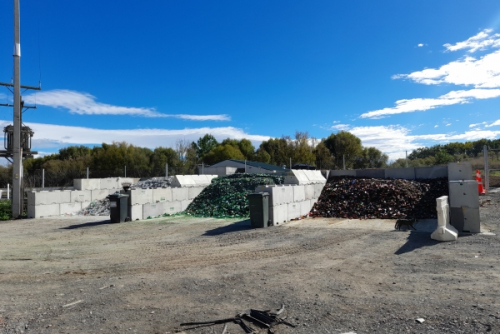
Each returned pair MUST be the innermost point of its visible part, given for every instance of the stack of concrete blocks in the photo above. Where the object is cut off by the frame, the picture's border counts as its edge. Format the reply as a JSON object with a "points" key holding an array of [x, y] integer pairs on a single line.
{"points": [[410, 173], [296, 197], [156, 202], [68, 202], [464, 198]]}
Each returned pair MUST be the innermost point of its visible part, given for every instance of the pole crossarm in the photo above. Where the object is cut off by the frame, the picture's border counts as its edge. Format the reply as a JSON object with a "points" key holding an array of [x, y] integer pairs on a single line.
{"points": [[22, 86], [11, 105]]}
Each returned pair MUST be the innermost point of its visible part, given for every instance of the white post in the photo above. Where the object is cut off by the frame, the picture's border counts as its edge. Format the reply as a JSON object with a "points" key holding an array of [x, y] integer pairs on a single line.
{"points": [[43, 178], [486, 169], [87, 172], [406, 159], [8, 190], [202, 168]]}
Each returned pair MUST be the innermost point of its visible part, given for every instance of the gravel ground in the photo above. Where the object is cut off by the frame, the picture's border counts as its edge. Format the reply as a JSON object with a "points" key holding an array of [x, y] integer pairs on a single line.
{"points": [[85, 275]]}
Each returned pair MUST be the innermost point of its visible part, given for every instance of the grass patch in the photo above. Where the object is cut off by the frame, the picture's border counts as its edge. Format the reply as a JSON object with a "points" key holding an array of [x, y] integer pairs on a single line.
{"points": [[5, 210]]}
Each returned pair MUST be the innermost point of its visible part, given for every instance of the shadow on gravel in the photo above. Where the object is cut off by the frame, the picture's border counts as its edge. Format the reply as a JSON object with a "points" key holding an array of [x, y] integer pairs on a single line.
{"points": [[92, 224], [416, 240], [235, 227]]}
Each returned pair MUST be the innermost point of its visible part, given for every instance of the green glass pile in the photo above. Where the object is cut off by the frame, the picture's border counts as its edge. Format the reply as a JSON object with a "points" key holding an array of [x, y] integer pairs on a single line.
{"points": [[226, 196]]}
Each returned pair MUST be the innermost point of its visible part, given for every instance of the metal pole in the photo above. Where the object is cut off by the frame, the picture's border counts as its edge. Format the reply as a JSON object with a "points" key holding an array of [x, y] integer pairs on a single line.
{"points": [[406, 159], [125, 171], [17, 150], [87, 172], [245, 166], [8, 190], [166, 170], [290, 163], [343, 160], [43, 178], [202, 168], [486, 169]]}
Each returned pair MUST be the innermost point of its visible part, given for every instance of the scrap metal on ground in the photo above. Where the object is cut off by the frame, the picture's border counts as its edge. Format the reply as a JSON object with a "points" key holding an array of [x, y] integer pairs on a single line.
{"points": [[262, 319], [361, 198], [96, 208], [226, 196]]}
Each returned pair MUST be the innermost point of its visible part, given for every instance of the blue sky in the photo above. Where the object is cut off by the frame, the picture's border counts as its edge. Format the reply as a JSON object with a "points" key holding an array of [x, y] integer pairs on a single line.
{"points": [[397, 74]]}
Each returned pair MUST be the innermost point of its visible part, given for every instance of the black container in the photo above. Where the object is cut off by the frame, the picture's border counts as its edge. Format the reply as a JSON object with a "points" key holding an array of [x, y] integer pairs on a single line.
{"points": [[259, 209], [118, 208]]}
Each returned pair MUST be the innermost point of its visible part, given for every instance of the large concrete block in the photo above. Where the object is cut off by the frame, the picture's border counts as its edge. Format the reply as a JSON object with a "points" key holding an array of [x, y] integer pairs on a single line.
{"points": [[296, 176], [471, 220], [293, 211], [162, 195], [278, 194], [179, 194], [157, 209], [314, 176], [460, 171], [318, 188], [341, 172], [305, 207], [194, 192], [400, 173], [87, 184], [130, 180], [463, 193], [39, 211], [80, 196], [136, 212], [371, 173], [309, 191], [141, 196], [298, 194], [69, 208], [99, 194], [183, 181], [432, 172], [185, 203], [110, 183], [278, 214], [49, 197]]}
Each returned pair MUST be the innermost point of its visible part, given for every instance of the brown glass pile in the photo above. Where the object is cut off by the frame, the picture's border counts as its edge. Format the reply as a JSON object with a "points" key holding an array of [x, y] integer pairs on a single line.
{"points": [[359, 198]]}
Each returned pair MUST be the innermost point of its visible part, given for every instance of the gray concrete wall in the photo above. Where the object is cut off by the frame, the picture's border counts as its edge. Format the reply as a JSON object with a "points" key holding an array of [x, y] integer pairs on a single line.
{"points": [[410, 173]]}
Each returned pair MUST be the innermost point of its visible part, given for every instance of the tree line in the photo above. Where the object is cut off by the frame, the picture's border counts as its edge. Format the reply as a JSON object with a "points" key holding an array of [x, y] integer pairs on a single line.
{"points": [[333, 152]]}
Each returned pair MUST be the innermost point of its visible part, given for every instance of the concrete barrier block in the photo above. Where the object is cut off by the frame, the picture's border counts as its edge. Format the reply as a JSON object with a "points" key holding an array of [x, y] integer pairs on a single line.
{"points": [[460, 171], [347, 172], [162, 195], [80, 196], [157, 209], [278, 214], [136, 212], [179, 194], [432, 172], [194, 192], [371, 173], [463, 193], [293, 211], [110, 183], [400, 173], [296, 176], [185, 203], [99, 194], [141, 196], [318, 188], [48, 197], [39, 211], [130, 180], [305, 207], [183, 181], [87, 184], [69, 208], [309, 191], [298, 194]]}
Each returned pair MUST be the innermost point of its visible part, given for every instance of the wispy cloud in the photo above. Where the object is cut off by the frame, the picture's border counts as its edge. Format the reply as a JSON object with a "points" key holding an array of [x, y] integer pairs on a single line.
{"points": [[86, 104], [420, 104], [339, 127], [57, 136], [482, 73], [481, 41], [495, 123], [395, 140]]}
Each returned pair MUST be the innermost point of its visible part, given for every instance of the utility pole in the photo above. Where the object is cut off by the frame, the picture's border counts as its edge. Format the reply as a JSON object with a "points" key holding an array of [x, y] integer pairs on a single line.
{"points": [[18, 136], [18, 151]]}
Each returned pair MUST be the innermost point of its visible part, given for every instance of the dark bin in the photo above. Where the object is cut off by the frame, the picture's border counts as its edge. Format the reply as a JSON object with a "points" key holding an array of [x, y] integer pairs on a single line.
{"points": [[259, 209], [118, 207]]}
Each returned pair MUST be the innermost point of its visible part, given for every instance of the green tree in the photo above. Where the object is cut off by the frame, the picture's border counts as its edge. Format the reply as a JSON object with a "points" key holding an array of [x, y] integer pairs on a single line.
{"points": [[324, 159], [371, 157], [204, 145], [344, 144], [223, 152]]}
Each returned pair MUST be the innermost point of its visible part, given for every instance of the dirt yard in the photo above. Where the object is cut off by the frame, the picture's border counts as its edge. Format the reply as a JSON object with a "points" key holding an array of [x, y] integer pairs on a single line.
{"points": [[85, 275]]}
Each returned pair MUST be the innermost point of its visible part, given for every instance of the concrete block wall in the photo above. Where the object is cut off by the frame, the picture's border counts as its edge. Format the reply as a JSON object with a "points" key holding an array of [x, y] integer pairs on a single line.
{"points": [[287, 202], [109, 183], [411, 173]]}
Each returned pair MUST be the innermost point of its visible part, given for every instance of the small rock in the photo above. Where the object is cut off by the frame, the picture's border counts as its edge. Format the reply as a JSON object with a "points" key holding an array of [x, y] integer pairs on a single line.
{"points": [[420, 320]]}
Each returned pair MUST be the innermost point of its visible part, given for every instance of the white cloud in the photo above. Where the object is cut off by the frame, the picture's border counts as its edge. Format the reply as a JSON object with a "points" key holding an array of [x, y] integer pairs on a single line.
{"points": [[480, 73], [420, 104], [448, 124], [395, 140], [481, 41], [420, 45], [85, 104], [476, 125], [495, 123], [340, 127], [436, 126], [56, 136]]}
